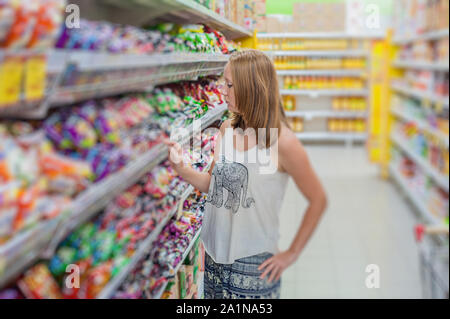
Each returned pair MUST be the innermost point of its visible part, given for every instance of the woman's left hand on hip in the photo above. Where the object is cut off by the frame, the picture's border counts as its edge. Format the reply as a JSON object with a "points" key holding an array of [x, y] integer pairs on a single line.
{"points": [[276, 265]]}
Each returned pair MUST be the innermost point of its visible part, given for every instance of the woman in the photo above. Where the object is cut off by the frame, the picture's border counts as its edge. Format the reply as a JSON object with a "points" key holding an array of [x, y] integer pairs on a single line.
{"points": [[240, 227]]}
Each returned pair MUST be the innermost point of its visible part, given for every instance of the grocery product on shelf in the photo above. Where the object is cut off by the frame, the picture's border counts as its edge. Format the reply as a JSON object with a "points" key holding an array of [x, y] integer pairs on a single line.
{"points": [[426, 81], [151, 276], [424, 145], [310, 63], [322, 82], [421, 187], [413, 18], [349, 104], [306, 44], [426, 51], [289, 102], [346, 125], [296, 124], [76, 147], [409, 108], [103, 247], [31, 25]]}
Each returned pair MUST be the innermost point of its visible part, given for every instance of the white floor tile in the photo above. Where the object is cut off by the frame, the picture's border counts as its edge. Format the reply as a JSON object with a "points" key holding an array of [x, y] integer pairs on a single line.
{"points": [[367, 222]]}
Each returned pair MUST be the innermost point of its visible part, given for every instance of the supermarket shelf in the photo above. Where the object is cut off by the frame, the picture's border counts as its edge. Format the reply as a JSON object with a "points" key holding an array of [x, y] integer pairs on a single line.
{"points": [[145, 247], [92, 61], [328, 136], [23, 250], [17, 254], [439, 178], [422, 125], [179, 11], [320, 35], [324, 53], [158, 295], [415, 199], [109, 290], [330, 92], [357, 73], [428, 36], [162, 68], [420, 94], [326, 113], [422, 65]]}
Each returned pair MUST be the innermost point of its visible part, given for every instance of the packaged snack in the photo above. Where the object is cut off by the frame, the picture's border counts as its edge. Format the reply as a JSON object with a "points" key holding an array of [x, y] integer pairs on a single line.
{"points": [[38, 283], [80, 132]]}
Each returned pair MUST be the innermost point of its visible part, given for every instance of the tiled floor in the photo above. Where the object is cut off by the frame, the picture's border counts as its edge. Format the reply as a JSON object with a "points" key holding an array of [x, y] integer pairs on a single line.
{"points": [[367, 222]]}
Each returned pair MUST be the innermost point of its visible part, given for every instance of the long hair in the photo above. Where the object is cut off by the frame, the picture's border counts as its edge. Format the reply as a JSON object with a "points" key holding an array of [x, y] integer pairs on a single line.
{"points": [[256, 94]]}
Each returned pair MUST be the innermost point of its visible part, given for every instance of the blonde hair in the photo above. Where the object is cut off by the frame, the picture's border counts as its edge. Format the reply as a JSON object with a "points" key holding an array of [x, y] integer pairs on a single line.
{"points": [[256, 94]]}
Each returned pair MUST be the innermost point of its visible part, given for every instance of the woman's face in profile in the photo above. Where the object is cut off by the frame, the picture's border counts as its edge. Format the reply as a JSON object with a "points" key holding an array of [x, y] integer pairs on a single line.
{"points": [[228, 90]]}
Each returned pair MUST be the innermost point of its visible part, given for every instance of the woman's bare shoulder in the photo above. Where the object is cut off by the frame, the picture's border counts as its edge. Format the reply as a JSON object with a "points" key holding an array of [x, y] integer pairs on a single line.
{"points": [[288, 143]]}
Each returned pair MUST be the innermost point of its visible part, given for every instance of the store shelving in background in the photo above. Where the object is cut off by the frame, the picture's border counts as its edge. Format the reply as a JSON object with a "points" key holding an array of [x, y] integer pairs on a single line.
{"points": [[316, 72], [420, 107]]}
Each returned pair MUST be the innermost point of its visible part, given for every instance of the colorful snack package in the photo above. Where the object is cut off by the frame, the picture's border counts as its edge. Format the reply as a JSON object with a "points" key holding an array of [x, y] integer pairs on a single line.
{"points": [[80, 132], [38, 283]]}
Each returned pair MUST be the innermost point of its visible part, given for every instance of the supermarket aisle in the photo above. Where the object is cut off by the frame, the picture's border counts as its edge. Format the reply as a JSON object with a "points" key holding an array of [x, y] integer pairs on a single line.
{"points": [[367, 222]]}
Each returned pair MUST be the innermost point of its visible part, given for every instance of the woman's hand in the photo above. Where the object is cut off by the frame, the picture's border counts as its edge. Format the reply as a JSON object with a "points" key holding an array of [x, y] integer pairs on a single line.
{"points": [[277, 264], [175, 155]]}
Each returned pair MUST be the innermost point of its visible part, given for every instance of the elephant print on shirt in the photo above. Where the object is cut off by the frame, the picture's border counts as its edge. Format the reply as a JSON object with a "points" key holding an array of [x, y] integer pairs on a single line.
{"points": [[234, 178]]}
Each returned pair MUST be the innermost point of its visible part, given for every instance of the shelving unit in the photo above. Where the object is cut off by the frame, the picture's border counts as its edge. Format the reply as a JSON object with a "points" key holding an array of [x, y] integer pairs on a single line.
{"points": [[19, 253], [425, 166], [422, 125], [328, 136], [422, 65], [162, 68], [419, 94], [319, 35], [413, 198], [429, 69], [318, 53], [427, 36], [326, 113], [158, 295], [309, 102], [356, 73], [143, 249], [178, 11], [330, 92]]}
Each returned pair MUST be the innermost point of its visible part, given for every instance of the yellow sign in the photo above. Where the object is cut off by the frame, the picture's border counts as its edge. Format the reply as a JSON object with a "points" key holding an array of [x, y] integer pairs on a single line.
{"points": [[11, 75], [35, 78]]}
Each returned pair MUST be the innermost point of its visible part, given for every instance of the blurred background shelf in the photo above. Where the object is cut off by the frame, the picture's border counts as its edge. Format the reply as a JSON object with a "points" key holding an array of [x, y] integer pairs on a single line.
{"points": [[329, 92], [324, 53], [319, 35], [329, 136], [434, 98], [326, 113], [416, 201], [422, 125], [17, 254], [440, 179], [422, 65], [428, 36], [321, 72]]}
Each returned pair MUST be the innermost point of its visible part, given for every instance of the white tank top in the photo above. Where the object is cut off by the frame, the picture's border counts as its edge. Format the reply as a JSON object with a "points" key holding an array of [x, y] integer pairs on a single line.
{"points": [[244, 200]]}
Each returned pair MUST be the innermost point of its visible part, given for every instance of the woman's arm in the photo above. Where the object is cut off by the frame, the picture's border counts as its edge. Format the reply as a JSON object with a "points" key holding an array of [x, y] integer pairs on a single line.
{"points": [[294, 160], [199, 180]]}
